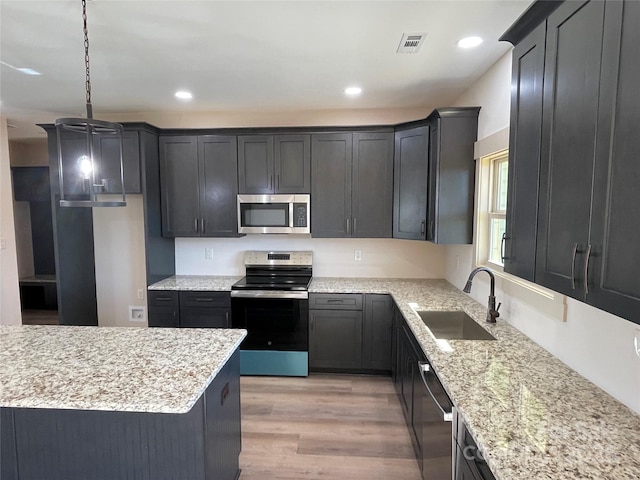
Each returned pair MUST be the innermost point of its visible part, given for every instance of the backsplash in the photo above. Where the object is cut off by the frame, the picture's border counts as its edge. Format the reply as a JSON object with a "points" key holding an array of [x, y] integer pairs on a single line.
{"points": [[381, 258]]}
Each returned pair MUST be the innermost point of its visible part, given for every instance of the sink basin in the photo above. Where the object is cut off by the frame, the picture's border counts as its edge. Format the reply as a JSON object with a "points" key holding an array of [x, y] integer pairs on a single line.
{"points": [[453, 325]]}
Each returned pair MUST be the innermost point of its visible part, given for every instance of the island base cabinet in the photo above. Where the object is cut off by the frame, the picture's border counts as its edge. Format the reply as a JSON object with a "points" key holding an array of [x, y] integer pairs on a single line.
{"points": [[202, 444]]}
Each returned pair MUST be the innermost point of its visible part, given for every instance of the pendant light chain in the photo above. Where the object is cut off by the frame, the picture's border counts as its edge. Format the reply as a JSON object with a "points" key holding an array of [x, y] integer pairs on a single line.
{"points": [[86, 59]]}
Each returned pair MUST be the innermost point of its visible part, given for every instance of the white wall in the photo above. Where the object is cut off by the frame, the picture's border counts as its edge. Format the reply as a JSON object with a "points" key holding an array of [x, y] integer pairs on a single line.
{"points": [[9, 291], [596, 344], [120, 261], [331, 257]]}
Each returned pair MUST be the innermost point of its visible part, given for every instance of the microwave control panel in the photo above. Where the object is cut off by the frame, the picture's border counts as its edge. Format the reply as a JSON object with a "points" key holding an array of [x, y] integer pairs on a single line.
{"points": [[300, 214]]}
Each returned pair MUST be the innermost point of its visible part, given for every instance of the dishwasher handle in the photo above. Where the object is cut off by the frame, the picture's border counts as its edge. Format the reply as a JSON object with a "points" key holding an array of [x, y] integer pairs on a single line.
{"points": [[424, 367]]}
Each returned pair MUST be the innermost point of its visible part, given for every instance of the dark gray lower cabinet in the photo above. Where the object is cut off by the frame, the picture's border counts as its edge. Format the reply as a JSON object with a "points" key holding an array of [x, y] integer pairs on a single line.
{"points": [[202, 444], [189, 309], [335, 339], [164, 309], [344, 337]]}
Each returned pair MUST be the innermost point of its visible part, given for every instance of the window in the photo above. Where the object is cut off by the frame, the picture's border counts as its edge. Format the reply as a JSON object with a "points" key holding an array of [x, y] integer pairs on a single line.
{"points": [[498, 207], [492, 209]]}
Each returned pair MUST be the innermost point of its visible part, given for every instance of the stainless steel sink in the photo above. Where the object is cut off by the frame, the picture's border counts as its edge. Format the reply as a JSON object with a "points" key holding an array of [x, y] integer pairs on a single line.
{"points": [[453, 325]]}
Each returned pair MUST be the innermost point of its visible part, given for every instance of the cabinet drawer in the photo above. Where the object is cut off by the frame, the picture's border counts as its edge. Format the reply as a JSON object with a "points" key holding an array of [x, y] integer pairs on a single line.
{"points": [[346, 301], [162, 298], [205, 299]]}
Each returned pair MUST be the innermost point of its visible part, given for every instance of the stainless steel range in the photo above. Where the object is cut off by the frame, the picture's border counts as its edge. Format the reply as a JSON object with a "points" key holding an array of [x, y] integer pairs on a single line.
{"points": [[272, 303]]}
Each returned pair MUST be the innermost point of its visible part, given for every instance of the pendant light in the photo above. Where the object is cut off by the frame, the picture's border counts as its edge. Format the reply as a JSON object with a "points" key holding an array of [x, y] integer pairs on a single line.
{"points": [[86, 174]]}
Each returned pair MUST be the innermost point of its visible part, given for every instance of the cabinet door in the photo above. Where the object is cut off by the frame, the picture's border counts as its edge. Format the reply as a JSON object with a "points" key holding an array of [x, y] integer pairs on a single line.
{"points": [[218, 156], [335, 339], [411, 157], [372, 194], [163, 317], [108, 148], [292, 163], [204, 317], [570, 111], [453, 131], [377, 332], [179, 186], [524, 155], [255, 164], [614, 283], [331, 158]]}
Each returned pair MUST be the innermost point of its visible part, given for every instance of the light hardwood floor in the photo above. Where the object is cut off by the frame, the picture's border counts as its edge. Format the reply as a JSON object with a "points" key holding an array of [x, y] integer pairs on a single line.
{"points": [[328, 427]]}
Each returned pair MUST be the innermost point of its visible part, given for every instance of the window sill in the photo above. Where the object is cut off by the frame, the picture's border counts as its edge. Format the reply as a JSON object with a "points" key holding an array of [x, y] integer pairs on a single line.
{"points": [[550, 303]]}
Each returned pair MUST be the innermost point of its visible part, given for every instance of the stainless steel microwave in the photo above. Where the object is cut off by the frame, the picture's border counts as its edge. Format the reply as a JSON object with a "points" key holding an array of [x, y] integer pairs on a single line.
{"points": [[274, 214]]}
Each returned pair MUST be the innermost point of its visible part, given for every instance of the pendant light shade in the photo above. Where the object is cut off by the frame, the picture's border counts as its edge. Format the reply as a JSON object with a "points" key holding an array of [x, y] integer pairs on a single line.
{"points": [[84, 172]]}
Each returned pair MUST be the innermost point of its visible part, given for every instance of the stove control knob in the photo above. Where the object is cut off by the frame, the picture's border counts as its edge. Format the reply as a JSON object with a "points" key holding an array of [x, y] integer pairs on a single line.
{"points": [[269, 342]]}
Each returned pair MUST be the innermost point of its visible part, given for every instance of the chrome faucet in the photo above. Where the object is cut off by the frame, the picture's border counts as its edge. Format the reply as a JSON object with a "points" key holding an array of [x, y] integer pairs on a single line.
{"points": [[492, 311]]}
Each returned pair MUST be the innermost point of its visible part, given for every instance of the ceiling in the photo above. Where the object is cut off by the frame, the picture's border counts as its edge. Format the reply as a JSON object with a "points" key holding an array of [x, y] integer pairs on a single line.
{"points": [[235, 56]]}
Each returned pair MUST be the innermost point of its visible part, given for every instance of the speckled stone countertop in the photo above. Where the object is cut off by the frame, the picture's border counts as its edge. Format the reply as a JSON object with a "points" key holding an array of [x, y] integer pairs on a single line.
{"points": [[157, 370], [533, 416], [214, 283]]}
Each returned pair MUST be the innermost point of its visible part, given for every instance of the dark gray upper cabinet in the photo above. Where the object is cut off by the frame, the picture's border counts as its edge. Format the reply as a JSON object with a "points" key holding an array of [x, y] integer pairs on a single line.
{"points": [[31, 184], [180, 186], [199, 185], [274, 164], [615, 224], [108, 149], [524, 155], [588, 168], [331, 157], [411, 158], [372, 185], [570, 114], [452, 133], [218, 185], [352, 185]]}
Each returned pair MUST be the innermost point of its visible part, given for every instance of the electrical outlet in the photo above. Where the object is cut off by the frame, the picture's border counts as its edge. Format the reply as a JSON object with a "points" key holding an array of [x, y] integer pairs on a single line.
{"points": [[357, 255], [636, 342], [208, 253], [137, 314], [140, 294], [3, 244]]}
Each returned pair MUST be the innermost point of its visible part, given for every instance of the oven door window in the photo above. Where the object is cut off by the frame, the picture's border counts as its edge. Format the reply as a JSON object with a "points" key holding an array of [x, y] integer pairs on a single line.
{"points": [[272, 324], [264, 214]]}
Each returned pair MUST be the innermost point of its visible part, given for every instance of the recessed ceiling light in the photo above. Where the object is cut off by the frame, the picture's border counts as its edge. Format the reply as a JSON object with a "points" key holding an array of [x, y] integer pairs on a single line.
{"points": [[183, 95], [469, 42], [353, 91]]}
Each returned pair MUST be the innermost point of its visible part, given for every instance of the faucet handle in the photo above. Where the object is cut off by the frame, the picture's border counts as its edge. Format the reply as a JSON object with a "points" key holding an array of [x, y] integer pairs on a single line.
{"points": [[498, 307]]}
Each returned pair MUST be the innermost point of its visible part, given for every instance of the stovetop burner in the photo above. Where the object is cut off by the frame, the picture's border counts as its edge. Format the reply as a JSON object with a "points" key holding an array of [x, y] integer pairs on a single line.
{"points": [[281, 271]]}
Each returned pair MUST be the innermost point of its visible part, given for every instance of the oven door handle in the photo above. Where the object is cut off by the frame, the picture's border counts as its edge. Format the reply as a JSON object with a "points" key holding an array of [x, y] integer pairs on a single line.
{"points": [[269, 294]]}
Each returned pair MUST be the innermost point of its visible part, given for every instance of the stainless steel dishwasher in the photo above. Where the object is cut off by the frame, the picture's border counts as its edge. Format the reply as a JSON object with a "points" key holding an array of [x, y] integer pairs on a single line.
{"points": [[436, 419]]}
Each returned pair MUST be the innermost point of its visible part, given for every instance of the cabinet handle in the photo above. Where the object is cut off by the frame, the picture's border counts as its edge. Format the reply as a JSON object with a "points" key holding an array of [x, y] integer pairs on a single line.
{"points": [[195, 224], [355, 225], [311, 325], [348, 229], [224, 393], [586, 270], [431, 229], [573, 266], [226, 317], [202, 224], [335, 301], [502, 243], [163, 299], [277, 182], [271, 182], [423, 226]]}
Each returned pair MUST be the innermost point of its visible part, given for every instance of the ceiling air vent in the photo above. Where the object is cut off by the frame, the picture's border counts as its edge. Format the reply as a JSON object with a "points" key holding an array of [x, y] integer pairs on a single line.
{"points": [[411, 42]]}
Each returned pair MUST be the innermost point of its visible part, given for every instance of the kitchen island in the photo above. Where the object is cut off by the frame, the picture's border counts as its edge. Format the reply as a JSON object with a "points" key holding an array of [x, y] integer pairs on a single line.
{"points": [[82, 403]]}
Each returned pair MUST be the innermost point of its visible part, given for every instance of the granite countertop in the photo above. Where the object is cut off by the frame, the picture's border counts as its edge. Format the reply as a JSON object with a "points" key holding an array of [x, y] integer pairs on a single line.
{"points": [[531, 415], [159, 370], [214, 283]]}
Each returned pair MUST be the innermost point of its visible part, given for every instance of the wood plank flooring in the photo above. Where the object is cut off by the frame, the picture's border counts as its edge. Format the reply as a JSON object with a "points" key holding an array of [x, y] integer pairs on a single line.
{"points": [[324, 427], [40, 317]]}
